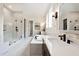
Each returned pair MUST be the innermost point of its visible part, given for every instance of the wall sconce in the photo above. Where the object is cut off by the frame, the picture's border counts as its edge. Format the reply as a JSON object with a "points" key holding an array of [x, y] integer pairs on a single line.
{"points": [[55, 15]]}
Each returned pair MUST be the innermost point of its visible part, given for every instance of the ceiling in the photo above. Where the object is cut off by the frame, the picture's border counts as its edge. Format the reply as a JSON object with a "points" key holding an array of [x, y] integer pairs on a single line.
{"points": [[30, 9]]}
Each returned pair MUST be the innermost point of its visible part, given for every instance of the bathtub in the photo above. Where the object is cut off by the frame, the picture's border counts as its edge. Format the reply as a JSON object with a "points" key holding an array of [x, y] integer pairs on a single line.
{"points": [[16, 49]]}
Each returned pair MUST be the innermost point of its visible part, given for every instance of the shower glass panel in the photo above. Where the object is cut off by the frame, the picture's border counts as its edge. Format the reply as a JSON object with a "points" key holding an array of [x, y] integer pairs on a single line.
{"points": [[7, 26], [13, 28]]}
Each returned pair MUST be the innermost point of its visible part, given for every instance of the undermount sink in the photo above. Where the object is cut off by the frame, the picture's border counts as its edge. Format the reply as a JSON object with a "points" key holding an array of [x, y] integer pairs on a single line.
{"points": [[38, 37]]}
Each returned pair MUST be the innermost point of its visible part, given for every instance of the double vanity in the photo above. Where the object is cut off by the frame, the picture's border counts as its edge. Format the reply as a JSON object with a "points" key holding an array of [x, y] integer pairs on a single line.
{"points": [[55, 47]]}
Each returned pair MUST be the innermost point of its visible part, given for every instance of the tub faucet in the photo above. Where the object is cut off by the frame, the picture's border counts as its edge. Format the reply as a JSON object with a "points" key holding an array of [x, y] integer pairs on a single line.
{"points": [[10, 43]]}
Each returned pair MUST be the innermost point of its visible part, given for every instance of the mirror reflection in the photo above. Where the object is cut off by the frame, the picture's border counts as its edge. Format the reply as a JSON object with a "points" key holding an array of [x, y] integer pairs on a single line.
{"points": [[69, 19]]}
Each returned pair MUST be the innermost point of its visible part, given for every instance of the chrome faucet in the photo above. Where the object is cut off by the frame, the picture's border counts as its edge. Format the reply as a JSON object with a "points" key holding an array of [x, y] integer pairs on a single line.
{"points": [[63, 37], [36, 37]]}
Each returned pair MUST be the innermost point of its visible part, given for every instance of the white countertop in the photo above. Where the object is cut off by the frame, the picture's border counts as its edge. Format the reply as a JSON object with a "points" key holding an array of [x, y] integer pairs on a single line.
{"points": [[59, 48], [36, 41]]}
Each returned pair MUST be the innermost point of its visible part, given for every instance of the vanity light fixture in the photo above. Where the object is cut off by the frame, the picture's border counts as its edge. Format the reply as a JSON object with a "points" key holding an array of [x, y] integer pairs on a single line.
{"points": [[55, 15]]}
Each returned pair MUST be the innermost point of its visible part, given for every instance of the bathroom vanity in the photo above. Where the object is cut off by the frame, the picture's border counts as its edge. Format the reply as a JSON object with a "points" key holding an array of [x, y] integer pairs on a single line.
{"points": [[36, 46], [57, 47], [39, 47]]}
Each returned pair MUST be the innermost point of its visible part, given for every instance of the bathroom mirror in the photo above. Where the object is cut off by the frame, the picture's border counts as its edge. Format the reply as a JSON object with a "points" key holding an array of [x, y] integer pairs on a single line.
{"points": [[37, 28], [73, 21], [69, 16]]}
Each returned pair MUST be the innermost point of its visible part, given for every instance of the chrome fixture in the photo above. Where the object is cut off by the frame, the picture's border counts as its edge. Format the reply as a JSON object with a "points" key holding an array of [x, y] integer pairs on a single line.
{"points": [[63, 37], [55, 15]]}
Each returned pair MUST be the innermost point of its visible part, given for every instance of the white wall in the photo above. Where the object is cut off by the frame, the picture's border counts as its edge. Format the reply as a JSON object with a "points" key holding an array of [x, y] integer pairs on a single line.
{"points": [[53, 30]]}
